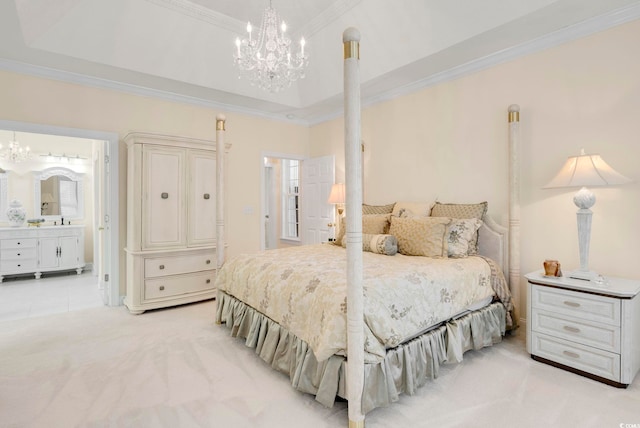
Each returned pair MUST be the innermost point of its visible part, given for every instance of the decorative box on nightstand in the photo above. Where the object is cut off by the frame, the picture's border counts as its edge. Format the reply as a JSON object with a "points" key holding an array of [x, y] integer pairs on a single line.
{"points": [[589, 328]]}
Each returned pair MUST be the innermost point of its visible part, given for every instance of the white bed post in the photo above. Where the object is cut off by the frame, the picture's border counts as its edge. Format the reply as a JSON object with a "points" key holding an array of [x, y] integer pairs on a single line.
{"points": [[514, 206], [353, 184], [220, 153]]}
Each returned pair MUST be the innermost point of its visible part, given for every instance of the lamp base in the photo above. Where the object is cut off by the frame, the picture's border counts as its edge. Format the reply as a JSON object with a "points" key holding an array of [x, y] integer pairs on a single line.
{"points": [[585, 275]]}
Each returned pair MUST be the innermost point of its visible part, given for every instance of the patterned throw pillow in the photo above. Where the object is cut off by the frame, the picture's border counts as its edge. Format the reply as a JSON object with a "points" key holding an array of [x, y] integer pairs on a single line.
{"points": [[460, 234], [421, 236], [377, 209], [462, 211], [380, 244]]}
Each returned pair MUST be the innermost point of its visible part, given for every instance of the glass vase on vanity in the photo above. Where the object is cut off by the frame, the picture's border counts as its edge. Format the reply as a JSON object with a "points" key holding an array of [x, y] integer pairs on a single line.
{"points": [[16, 214]]}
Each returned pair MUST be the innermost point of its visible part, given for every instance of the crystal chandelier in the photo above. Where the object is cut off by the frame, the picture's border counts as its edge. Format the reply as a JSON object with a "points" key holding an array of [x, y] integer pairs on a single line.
{"points": [[15, 153], [266, 60]]}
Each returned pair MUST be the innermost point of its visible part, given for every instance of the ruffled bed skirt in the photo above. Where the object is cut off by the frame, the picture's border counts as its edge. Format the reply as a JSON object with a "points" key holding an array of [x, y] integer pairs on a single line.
{"points": [[404, 369]]}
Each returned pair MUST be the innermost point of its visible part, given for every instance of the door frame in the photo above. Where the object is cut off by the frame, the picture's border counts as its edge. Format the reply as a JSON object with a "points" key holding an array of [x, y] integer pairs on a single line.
{"points": [[110, 176], [263, 195]]}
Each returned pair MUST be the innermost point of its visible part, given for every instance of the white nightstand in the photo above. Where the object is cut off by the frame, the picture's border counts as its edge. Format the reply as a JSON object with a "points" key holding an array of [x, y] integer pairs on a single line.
{"points": [[587, 328]]}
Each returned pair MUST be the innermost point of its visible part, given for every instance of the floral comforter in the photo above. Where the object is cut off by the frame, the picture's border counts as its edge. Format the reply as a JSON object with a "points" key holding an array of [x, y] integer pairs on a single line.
{"points": [[304, 290]]}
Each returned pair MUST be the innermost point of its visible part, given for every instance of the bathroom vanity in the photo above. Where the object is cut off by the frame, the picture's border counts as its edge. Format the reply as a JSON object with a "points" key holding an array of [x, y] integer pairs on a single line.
{"points": [[42, 249]]}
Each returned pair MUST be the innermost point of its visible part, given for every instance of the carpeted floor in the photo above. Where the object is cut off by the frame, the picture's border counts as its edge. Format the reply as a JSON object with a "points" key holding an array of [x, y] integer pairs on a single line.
{"points": [[102, 367]]}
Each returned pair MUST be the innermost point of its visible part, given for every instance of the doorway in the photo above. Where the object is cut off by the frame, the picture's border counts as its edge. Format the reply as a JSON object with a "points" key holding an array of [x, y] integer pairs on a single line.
{"points": [[294, 192], [106, 205]]}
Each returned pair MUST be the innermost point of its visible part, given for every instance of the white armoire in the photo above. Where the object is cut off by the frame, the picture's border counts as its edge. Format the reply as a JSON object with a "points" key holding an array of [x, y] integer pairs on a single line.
{"points": [[171, 221]]}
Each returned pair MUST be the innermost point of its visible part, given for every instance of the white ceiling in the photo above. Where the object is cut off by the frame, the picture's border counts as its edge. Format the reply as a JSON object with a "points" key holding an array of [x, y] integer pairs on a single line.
{"points": [[183, 49]]}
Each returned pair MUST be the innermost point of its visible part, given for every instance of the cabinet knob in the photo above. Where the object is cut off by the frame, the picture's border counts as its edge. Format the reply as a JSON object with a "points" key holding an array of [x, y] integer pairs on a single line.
{"points": [[18, 253], [161, 267], [208, 281], [19, 243], [208, 262], [206, 196], [161, 287], [164, 195]]}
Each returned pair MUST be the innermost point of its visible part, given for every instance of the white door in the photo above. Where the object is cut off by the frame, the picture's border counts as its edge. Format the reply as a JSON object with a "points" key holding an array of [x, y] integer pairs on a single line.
{"points": [[318, 175], [271, 208]]}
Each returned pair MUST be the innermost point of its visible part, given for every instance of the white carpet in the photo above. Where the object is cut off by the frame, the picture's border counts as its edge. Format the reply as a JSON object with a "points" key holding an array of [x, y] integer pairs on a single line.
{"points": [[103, 367]]}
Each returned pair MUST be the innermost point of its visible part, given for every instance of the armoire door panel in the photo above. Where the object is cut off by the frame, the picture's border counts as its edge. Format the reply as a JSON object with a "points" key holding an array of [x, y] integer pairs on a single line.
{"points": [[163, 198], [202, 198]]}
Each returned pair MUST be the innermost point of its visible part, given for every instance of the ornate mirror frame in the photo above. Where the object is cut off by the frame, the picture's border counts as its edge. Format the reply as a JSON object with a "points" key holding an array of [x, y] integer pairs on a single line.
{"points": [[65, 172]]}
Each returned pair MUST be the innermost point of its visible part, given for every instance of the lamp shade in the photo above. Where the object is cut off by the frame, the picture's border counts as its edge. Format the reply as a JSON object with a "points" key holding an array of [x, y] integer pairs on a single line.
{"points": [[588, 171], [337, 194]]}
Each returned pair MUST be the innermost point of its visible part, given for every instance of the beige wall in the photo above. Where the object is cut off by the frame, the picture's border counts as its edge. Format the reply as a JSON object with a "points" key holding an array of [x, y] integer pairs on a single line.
{"points": [[49, 102], [450, 142]]}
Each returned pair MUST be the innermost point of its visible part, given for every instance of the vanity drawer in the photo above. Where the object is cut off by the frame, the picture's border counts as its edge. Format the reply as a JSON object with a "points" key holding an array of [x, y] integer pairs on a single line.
{"points": [[173, 286], [585, 306], [163, 266], [18, 243], [602, 336], [28, 265], [595, 361], [18, 254]]}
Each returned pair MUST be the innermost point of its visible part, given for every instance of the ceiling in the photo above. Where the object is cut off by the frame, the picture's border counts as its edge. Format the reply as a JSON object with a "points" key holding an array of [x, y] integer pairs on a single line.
{"points": [[183, 49]]}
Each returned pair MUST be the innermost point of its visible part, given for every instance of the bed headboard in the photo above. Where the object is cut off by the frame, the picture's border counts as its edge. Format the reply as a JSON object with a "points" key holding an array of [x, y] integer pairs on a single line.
{"points": [[493, 242]]}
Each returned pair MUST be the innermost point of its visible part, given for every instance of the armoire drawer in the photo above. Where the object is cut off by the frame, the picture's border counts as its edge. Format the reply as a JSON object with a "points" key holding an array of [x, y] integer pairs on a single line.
{"points": [[585, 306], [18, 243], [172, 286], [591, 360], [602, 336], [175, 265]]}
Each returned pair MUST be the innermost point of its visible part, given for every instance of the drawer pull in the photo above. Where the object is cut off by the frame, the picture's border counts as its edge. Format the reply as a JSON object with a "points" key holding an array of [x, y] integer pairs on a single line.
{"points": [[206, 196], [164, 195], [161, 287], [208, 281], [572, 304], [571, 354], [161, 267], [571, 329], [18, 253], [208, 262]]}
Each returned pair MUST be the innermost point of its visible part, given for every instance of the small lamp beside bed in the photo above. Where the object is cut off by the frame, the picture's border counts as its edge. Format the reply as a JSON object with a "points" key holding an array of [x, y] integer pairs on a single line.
{"points": [[582, 171], [337, 197]]}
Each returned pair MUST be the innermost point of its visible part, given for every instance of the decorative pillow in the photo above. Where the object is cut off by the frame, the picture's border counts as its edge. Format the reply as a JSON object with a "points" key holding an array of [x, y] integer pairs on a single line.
{"points": [[462, 211], [374, 224], [421, 236], [378, 244], [411, 209], [377, 209], [460, 234]]}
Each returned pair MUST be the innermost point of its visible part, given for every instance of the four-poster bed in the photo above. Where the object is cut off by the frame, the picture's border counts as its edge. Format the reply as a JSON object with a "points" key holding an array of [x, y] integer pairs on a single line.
{"points": [[325, 326]]}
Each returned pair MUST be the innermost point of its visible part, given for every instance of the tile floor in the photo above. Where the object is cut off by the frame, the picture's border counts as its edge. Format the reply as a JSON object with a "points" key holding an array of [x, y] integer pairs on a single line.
{"points": [[25, 297]]}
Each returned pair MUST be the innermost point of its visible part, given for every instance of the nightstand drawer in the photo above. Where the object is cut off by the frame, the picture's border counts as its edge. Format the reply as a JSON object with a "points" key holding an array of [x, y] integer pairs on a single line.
{"points": [[585, 306], [600, 363], [602, 336]]}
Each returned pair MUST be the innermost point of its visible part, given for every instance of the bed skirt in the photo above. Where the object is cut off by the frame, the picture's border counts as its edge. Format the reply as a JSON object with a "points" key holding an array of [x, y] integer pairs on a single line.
{"points": [[403, 370]]}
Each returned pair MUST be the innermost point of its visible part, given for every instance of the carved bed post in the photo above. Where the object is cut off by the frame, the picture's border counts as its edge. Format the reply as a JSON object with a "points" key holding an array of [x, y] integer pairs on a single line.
{"points": [[514, 206], [220, 153], [353, 184]]}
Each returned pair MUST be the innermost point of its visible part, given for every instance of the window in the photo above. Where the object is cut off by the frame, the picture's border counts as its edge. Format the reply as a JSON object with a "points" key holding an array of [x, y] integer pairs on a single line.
{"points": [[290, 199]]}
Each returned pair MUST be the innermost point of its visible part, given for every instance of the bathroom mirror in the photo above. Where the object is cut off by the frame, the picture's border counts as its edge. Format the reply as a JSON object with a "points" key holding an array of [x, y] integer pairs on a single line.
{"points": [[59, 194]]}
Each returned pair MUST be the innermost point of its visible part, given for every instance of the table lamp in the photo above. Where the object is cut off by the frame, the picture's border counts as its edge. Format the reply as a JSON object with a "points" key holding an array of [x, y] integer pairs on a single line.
{"points": [[582, 171]]}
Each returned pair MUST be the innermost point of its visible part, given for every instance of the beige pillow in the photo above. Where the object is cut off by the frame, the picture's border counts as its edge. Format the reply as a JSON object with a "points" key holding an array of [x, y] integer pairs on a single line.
{"points": [[373, 224], [460, 234], [378, 244], [377, 209], [407, 209], [420, 236], [462, 211]]}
